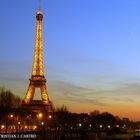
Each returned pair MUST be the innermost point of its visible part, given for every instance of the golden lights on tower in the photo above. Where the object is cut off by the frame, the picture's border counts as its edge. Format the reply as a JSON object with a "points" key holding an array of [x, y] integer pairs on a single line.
{"points": [[38, 64], [37, 79]]}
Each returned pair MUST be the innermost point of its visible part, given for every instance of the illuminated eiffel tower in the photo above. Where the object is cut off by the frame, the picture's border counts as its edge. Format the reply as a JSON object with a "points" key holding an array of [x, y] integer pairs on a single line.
{"points": [[37, 79]]}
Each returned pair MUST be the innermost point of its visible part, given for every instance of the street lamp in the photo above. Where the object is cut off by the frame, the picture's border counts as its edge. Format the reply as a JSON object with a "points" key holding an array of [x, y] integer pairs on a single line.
{"points": [[2, 126], [39, 115], [42, 123], [80, 124], [101, 126], [18, 128], [11, 115], [50, 116], [109, 126], [117, 126], [34, 127]]}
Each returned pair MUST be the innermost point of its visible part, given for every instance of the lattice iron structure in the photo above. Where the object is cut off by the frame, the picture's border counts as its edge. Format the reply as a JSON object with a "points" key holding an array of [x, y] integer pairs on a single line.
{"points": [[37, 79]]}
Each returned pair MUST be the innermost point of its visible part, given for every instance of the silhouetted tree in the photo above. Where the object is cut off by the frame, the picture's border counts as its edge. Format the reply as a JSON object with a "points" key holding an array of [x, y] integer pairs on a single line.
{"points": [[95, 112], [62, 116], [8, 101]]}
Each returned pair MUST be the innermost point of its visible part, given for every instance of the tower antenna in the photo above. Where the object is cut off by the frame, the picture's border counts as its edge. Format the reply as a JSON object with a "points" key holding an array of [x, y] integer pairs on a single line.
{"points": [[39, 5]]}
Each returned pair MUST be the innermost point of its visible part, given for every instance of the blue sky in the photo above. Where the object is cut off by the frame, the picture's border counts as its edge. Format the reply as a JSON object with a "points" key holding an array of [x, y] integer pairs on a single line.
{"points": [[91, 52]]}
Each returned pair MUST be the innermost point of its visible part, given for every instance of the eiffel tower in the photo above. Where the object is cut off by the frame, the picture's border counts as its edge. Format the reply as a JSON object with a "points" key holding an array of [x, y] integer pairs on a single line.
{"points": [[37, 79]]}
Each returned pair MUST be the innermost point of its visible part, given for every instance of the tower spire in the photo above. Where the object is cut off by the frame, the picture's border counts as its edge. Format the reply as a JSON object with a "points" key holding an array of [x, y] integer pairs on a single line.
{"points": [[39, 5]]}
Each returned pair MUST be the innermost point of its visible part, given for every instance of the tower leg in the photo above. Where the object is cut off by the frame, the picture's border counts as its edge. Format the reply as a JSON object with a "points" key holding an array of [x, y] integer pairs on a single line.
{"points": [[44, 94], [30, 94]]}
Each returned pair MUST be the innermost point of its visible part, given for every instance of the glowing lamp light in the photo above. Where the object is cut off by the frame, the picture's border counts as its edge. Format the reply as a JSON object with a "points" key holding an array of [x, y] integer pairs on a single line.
{"points": [[50, 116], [34, 127], [42, 123], [19, 123], [11, 115], [109, 126], [101, 126], [2, 126], [25, 127], [80, 124], [40, 115], [90, 125], [117, 126]]}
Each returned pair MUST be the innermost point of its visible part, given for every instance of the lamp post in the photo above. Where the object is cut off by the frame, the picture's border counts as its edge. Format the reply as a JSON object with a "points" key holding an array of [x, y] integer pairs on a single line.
{"points": [[39, 116], [19, 126], [2, 127], [11, 121]]}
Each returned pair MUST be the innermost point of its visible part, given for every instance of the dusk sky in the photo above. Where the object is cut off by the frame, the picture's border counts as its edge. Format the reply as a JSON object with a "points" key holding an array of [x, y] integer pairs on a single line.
{"points": [[91, 52]]}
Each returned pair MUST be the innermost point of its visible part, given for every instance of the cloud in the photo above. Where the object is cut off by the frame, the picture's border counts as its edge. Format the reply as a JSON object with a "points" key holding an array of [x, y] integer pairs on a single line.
{"points": [[67, 88], [89, 101], [73, 93], [67, 92], [127, 89], [12, 79], [63, 91]]}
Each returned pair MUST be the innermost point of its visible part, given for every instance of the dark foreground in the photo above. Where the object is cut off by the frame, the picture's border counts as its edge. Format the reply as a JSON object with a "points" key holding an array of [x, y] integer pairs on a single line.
{"points": [[69, 135]]}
